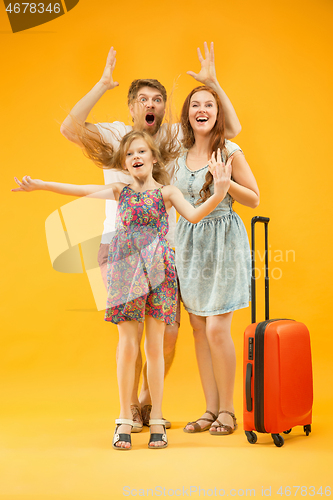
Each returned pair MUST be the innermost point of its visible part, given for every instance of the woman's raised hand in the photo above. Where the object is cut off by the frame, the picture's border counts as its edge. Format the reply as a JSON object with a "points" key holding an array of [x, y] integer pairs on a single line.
{"points": [[107, 79], [207, 73], [27, 184], [221, 173]]}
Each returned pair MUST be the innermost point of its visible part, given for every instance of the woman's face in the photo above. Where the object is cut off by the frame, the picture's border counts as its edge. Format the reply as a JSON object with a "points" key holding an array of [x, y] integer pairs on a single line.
{"points": [[202, 112], [139, 159]]}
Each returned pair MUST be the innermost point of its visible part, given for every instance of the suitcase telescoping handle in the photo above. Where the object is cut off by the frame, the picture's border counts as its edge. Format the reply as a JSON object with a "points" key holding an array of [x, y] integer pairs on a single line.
{"points": [[265, 220]]}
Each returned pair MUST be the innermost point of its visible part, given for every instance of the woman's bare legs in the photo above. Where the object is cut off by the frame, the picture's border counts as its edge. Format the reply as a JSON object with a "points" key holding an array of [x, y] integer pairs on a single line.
{"points": [[218, 331], [155, 370], [216, 358], [205, 365], [128, 348]]}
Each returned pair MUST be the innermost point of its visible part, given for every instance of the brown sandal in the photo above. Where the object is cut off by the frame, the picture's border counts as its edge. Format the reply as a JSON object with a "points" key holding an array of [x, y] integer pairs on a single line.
{"points": [[145, 413], [197, 427], [137, 418], [228, 428]]}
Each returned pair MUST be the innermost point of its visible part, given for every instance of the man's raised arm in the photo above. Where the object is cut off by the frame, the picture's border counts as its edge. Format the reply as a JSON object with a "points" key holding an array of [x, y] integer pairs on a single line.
{"points": [[81, 110]]}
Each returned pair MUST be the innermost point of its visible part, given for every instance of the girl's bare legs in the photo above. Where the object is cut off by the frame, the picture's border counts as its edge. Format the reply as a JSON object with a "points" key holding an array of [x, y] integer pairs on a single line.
{"points": [[205, 365], [128, 348], [155, 370], [218, 331], [170, 338], [102, 259], [138, 367]]}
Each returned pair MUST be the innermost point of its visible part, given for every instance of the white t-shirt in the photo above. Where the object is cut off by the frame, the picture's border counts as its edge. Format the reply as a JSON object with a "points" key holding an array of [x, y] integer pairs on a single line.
{"points": [[112, 133]]}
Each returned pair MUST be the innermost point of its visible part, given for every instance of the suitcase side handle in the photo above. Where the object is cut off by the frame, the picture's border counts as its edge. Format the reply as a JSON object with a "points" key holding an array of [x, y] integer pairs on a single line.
{"points": [[248, 380], [254, 220]]}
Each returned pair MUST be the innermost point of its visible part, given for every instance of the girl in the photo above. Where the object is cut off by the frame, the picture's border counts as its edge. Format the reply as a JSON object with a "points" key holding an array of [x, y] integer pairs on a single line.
{"points": [[141, 273], [213, 256]]}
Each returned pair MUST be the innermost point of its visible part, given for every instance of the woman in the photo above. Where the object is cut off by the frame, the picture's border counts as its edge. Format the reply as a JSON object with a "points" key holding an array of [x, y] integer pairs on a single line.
{"points": [[213, 256]]}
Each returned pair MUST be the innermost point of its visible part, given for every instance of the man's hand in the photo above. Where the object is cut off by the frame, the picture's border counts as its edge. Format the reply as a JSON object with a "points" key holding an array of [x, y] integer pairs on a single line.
{"points": [[207, 73], [107, 79]]}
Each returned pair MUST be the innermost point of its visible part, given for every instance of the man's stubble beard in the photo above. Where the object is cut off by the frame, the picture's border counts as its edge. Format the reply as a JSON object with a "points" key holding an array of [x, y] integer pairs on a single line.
{"points": [[154, 130]]}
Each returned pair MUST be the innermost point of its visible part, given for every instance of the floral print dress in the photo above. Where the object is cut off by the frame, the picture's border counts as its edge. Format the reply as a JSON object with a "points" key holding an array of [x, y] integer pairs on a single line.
{"points": [[141, 268]]}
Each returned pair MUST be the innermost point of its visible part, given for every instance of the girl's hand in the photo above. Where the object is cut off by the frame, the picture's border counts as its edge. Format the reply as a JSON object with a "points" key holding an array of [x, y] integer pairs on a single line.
{"points": [[28, 184], [207, 74], [221, 174], [107, 79]]}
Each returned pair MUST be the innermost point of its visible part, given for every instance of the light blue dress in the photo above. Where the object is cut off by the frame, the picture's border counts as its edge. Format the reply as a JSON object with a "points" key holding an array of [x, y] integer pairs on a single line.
{"points": [[213, 257]]}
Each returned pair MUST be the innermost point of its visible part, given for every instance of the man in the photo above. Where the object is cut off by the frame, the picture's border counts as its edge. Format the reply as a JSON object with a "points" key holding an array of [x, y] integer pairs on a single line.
{"points": [[147, 102]]}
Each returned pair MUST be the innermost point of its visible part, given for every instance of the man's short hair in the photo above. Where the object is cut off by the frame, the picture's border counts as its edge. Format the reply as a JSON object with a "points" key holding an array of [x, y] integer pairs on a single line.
{"points": [[136, 85]]}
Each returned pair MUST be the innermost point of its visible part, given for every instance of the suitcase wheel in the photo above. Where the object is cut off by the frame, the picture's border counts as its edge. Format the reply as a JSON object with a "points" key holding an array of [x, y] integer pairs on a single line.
{"points": [[307, 429], [278, 440], [251, 437], [287, 432]]}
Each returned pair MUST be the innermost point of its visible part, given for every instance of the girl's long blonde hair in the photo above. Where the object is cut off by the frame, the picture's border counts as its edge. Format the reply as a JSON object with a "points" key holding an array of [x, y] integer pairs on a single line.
{"points": [[165, 145], [105, 156]]}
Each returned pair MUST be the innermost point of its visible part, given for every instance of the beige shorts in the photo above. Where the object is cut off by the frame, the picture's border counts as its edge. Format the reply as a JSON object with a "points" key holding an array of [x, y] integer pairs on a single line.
{"points": [[102, 258]]}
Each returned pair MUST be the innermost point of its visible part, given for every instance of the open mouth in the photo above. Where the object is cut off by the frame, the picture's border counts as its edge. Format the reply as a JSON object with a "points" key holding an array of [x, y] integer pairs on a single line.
{"points": [[137, 165], [150, 119], [201, 119]]}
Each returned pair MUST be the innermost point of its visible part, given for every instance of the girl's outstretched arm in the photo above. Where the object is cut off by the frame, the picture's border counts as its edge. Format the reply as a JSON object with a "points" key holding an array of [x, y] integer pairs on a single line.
{"points": [[109, 192], [221, 174]]}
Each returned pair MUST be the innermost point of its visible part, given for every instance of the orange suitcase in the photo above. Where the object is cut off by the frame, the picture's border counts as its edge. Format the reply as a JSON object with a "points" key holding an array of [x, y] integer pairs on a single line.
{"points": [[278, 391]]}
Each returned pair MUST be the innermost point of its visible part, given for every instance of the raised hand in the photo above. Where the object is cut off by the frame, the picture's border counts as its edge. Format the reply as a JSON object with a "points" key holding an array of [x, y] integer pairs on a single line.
{"points": [[207, 73], [107, 79], [27, 184], [221, 173]]}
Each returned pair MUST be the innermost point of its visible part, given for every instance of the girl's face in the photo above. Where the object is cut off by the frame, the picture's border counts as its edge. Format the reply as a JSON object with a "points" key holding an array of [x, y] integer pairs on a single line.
{"points": [[202, 112], [139, 159]]}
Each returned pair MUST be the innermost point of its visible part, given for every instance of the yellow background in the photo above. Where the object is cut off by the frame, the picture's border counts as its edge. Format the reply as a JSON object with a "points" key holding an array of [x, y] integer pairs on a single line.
{"points": [[58, 382]]}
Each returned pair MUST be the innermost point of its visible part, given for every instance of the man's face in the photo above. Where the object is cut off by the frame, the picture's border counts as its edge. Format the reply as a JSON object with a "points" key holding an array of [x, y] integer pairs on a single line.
{"points": [[149, 106]]}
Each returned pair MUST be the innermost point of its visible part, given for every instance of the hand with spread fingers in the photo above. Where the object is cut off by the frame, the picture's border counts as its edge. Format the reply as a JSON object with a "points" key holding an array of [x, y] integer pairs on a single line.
{"points": [[207, 76], [27, 184], [107, 78], [221, 173], [207, 73]]}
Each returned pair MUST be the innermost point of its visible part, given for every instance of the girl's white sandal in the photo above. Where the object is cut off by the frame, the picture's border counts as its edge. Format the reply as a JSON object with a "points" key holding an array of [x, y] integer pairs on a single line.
{"points": [[122, 437], [156, 436]]}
